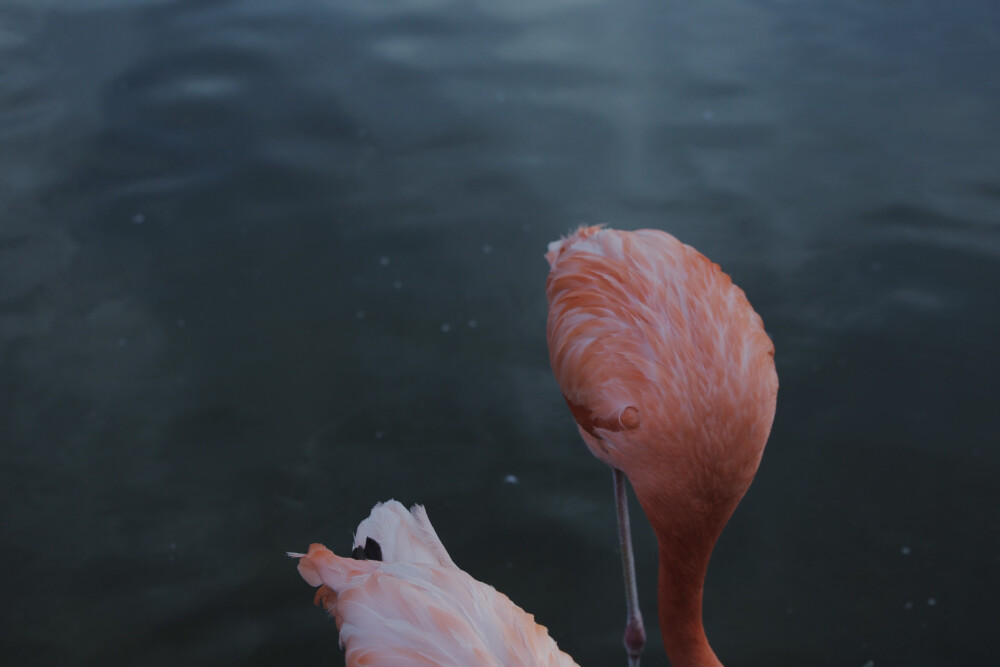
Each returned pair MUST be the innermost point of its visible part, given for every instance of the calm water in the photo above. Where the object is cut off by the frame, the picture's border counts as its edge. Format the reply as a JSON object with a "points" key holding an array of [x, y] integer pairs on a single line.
{"points": [[265, 263]]}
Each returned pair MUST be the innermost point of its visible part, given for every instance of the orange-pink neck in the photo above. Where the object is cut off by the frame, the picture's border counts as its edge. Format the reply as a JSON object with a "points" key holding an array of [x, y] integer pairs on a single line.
{"points": [[686, 539], [681, 581]]}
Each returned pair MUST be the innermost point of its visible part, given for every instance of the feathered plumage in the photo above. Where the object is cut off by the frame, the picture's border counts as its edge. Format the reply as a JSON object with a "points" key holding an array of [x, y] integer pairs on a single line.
{"points": [[416, 607]]}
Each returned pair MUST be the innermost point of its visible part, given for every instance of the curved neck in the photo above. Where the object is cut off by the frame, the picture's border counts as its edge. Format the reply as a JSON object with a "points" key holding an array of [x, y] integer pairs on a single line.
{"points": [[686, 531], [681, 580]]}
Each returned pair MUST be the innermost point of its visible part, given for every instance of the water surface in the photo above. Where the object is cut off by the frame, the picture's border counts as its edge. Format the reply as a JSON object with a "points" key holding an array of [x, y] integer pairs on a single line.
{"points": [[266, 263]]}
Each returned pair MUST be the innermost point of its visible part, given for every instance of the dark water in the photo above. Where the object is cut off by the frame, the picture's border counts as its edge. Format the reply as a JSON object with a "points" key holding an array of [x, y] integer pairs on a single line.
{"points": [[265, 263]]}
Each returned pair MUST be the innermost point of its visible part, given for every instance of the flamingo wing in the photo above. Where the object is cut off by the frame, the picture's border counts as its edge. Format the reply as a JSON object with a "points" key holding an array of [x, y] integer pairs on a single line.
{"points": [[416, 607], [661, 359]]}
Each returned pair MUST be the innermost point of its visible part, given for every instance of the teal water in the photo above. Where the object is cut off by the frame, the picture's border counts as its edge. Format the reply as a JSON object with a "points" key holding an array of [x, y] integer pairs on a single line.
{"points": [[266, 263]]}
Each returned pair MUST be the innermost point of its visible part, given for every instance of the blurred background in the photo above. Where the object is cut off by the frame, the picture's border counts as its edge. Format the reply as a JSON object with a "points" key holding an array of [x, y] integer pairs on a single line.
{"points": [[265, 263]]}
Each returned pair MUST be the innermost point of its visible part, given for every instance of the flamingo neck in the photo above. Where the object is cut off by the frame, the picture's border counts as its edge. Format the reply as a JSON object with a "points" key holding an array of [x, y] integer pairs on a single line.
{"points": [[681, 581], [686, 532]]}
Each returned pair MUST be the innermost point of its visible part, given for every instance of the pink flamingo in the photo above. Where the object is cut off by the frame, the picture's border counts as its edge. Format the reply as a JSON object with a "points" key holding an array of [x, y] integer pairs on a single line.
{"points": [[670, 377]]}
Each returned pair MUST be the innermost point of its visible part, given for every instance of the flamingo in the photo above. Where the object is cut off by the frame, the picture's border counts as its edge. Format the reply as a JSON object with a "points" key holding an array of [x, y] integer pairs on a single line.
{"points": [[670, 377]]}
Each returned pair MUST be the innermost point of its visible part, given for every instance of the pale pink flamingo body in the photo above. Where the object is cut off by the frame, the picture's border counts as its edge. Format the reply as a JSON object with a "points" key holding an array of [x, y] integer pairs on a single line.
{"points": [[670, 377], [416, 607]]}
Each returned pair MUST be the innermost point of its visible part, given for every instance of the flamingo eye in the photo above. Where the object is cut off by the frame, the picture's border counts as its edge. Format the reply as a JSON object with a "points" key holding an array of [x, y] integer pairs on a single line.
{"points": [[629, 418]]}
